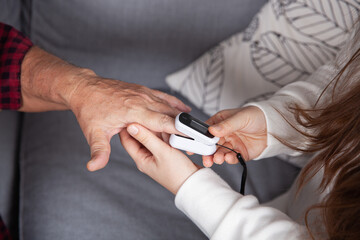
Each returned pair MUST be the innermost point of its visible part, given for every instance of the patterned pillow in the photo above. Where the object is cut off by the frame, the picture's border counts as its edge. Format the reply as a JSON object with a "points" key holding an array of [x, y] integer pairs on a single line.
{"points": [[285, 42]]}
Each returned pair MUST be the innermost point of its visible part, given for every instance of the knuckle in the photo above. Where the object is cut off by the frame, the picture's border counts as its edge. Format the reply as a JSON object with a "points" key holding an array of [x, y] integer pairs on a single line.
{"points": [[143, 138], [226, 125], [162, 101], [164, 120], [140, 167], [145, 96], [132, 101], [99, 147], [145, 93], [218, 117], [142, 164], [128, 103], [230, 160], [98, 142], [221, 115]]}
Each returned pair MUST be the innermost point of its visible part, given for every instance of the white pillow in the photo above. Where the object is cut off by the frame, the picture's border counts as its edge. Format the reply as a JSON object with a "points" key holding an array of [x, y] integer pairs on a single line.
{"points": [[285, 42]]}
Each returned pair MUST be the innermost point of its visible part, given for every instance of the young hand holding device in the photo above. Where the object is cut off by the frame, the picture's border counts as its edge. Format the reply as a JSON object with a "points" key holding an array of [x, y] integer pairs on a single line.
{"points": [[200, 140]]}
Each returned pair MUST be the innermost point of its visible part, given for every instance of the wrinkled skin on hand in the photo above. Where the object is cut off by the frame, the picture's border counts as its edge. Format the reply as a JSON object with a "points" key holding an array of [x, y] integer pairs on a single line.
{"points": [[103, 107]]}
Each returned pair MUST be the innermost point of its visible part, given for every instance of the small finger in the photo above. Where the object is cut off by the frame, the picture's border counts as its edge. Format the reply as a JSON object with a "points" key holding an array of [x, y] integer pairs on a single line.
{"points": [[231, 158], [207, 161], [219, 156]]}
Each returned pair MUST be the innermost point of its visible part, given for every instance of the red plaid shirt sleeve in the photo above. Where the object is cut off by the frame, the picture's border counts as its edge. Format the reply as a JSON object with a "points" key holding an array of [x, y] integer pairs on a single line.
{"points": [[13, 47]]}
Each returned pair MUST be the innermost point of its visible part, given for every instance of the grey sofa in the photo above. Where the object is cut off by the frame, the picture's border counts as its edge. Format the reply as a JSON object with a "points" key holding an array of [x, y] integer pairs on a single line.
{"points": [[45, 190]]}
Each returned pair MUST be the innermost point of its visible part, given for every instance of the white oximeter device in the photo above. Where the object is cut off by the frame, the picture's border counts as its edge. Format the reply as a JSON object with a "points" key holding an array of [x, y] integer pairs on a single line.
{"points": [[199, 140]]}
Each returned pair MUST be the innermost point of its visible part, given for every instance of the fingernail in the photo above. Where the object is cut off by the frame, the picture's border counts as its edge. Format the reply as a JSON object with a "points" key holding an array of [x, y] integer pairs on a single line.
{"points": [[188, 108], [90, 165], [132, 130]]}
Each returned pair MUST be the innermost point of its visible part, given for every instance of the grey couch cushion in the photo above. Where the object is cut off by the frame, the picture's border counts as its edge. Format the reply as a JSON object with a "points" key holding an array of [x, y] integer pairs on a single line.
{"points": [[9, 14], [9, 169], [138, 41]]}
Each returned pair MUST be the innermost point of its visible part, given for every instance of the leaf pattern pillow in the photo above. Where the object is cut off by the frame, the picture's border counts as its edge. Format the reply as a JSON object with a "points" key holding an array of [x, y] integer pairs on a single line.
{"points": [[285, 42]]}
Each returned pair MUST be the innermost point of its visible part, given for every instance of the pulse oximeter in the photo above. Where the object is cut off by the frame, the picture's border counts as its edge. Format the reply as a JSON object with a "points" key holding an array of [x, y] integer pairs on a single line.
{"points": [[199, 140]]}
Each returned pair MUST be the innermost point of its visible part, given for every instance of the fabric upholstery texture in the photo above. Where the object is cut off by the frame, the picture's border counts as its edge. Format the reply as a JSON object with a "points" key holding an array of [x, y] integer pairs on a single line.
{"points": [[137, 41], [9, 14], [9, 168]]}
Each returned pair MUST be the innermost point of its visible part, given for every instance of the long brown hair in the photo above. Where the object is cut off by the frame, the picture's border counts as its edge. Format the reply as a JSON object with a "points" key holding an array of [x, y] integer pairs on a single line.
{"points": [[336, 141]]}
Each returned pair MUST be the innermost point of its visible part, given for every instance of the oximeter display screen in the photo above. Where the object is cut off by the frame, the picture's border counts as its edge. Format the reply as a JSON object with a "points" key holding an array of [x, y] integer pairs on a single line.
{"points": [[195, 124], [199, 127]]}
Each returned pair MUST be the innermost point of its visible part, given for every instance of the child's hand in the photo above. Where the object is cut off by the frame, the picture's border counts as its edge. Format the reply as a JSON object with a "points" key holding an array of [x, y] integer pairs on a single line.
{"points": [[166, 165], [243, 129]]}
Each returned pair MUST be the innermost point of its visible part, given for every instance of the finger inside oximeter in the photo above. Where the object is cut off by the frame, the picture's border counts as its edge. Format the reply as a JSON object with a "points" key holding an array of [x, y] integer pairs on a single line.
{"points": [[190, 145], [185, 137]]}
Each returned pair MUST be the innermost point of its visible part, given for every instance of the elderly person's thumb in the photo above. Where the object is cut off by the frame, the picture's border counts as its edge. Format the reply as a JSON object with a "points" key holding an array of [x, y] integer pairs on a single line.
{"points": [[100, 151]]}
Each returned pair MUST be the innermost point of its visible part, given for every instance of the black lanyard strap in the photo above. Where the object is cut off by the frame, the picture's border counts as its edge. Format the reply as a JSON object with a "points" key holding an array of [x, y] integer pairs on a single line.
{"points": [[243, 164]]}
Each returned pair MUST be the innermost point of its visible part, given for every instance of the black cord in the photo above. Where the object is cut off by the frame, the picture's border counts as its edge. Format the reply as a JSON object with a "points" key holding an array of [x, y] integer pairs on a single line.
{"points": [[243, 164]]}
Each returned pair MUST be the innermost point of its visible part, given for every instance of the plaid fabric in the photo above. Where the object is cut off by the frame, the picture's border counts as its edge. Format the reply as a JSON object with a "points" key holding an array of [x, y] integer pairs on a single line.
{"points": [[13, 47], [4, 233]]}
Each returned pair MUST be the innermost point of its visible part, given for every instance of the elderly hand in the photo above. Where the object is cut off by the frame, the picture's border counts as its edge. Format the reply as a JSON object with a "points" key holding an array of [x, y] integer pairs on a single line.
{"points": [[243, 130], [103, 107], [166, 165]]}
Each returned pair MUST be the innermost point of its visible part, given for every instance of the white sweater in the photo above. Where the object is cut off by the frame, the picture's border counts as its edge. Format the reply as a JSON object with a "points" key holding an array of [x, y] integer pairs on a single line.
{"points": [[221, 213]]}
